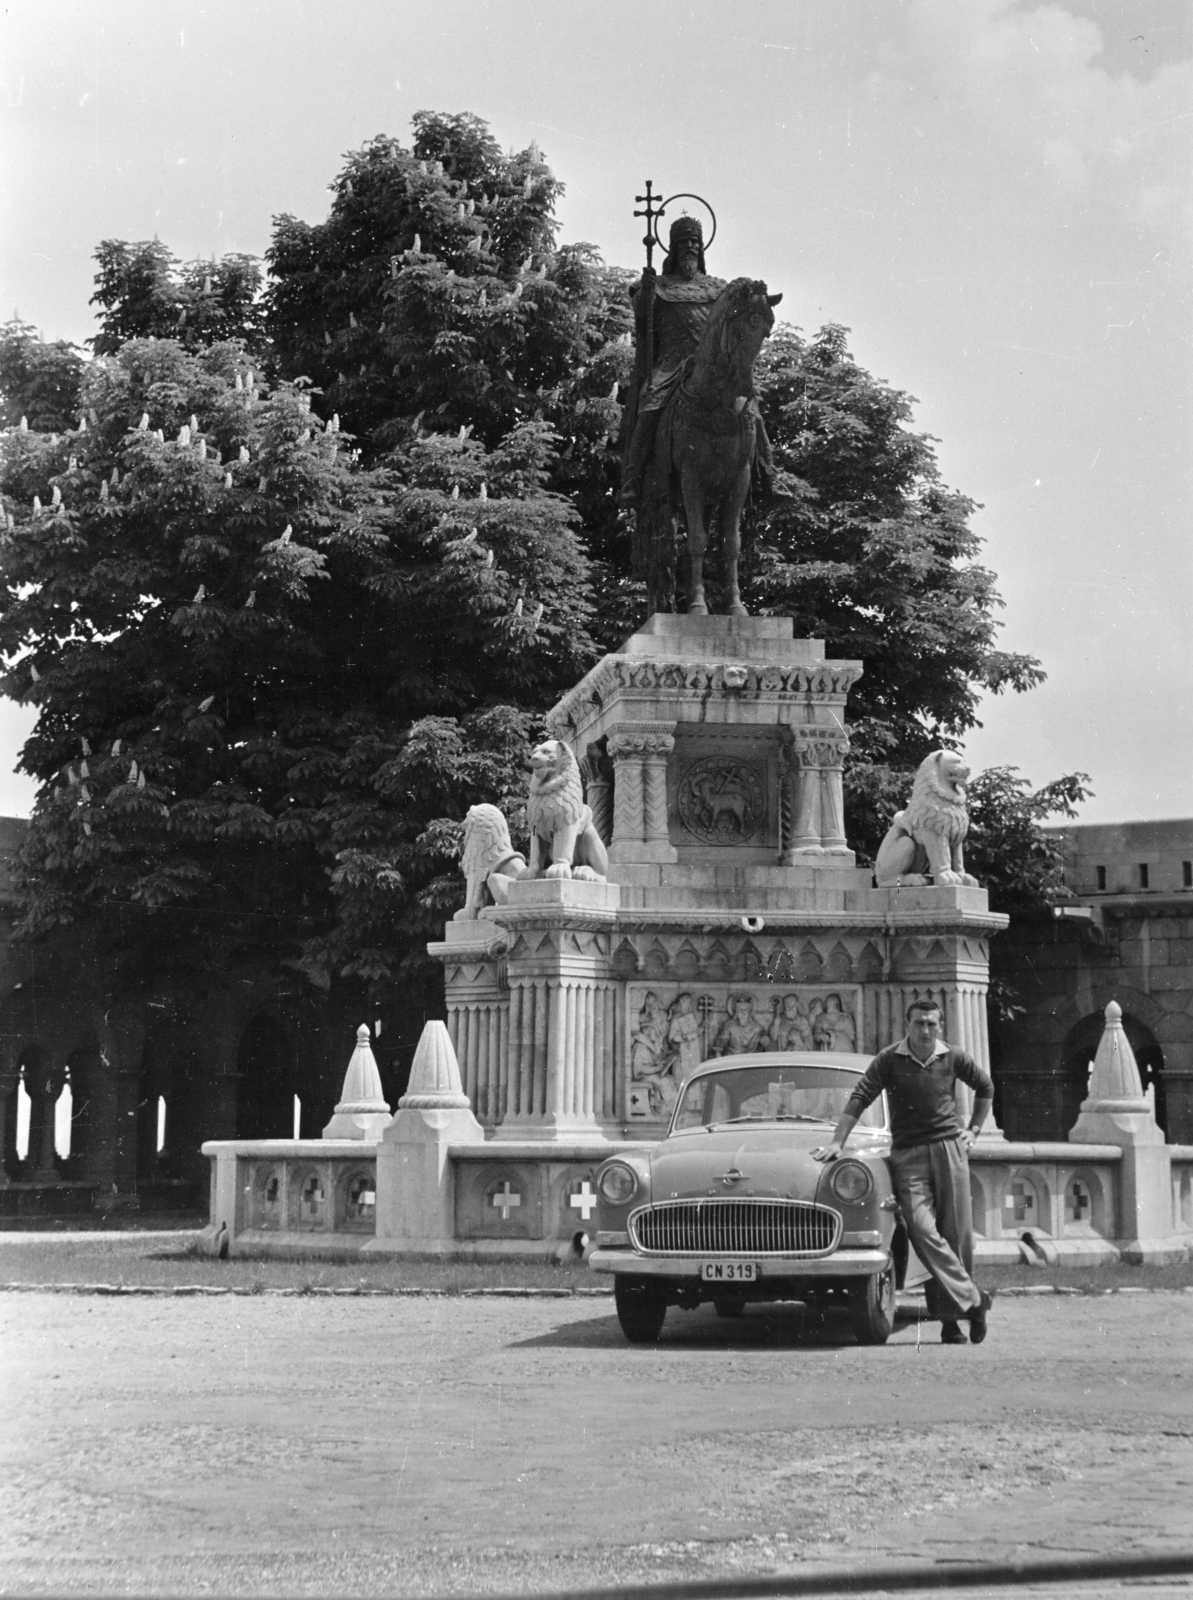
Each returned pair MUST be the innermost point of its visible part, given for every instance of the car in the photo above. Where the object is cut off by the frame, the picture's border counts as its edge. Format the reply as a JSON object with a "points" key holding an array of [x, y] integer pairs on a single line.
{"points": [[730, 1206]]}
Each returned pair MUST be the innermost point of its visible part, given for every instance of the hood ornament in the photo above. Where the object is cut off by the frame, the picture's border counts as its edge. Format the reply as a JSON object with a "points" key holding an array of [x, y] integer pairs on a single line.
{"points": [[732, 1176]]}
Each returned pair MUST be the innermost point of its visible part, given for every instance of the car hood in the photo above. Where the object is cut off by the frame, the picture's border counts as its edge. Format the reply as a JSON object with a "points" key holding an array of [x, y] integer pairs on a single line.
{"points": [[772, 1161]]}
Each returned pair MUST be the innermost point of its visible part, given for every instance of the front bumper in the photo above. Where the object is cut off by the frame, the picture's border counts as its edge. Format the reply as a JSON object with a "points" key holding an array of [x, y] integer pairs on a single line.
{"points": [[841, 1264]]}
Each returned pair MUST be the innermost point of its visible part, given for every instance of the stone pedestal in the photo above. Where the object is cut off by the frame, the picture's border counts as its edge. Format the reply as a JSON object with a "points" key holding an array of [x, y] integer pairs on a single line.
{"points": [[712, 750], [416, 1197], [1117, 1112]]}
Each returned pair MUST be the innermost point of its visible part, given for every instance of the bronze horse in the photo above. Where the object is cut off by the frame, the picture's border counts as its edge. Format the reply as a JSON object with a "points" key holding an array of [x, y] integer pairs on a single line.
{"points": [[704, 450]]}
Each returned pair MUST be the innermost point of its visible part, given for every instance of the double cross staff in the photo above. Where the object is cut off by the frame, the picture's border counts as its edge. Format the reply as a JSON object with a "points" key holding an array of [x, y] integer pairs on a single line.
{"points": [[651, 212]]}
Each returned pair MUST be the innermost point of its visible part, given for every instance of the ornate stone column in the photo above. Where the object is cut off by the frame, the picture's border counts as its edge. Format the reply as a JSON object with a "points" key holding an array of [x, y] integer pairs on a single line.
{"points": [[657, 747], [597, 771], [639, 751], [814, 799]]}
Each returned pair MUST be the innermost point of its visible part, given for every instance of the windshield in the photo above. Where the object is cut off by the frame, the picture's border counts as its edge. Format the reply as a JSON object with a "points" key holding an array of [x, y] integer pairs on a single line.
{"points": [[771, 1094]]}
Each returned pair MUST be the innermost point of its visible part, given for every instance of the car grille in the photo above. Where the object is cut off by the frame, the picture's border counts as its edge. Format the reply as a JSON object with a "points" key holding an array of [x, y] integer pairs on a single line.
{"points": [[735, 1227]]}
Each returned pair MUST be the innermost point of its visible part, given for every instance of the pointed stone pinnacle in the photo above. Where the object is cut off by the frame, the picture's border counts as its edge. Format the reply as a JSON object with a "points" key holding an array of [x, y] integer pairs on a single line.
{"points": [[362, 1112], [1115, 1074], [435, 1075]]}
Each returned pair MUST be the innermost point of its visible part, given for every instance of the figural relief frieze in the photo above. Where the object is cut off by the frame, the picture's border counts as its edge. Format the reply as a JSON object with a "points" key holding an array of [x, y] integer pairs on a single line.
{"points": [[671, 1028]]}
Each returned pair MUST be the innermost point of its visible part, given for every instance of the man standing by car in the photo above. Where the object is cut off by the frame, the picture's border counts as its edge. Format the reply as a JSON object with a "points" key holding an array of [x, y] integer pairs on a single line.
{"points": [[929, 1159]]}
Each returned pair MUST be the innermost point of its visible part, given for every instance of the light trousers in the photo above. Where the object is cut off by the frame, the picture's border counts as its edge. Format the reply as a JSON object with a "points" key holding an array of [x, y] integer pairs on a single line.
{"points": [[932, 1186]]}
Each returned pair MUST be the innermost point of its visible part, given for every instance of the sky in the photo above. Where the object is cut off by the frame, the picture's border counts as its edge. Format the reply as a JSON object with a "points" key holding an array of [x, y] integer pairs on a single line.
{"points": [[994, 196]]}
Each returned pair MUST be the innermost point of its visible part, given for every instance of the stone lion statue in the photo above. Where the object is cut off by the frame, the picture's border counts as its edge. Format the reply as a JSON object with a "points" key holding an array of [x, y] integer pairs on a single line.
{"points": [[488, 861], [925, 843], [563, 841]]}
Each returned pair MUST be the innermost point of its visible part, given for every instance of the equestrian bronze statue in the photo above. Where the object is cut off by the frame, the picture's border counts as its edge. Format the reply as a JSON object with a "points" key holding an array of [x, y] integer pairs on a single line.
{"points": [[693, 435]]}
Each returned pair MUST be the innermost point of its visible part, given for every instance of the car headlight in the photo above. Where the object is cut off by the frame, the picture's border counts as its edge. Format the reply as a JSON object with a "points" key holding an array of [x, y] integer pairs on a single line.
{"points": [[617, 1183], [850, 1181]]}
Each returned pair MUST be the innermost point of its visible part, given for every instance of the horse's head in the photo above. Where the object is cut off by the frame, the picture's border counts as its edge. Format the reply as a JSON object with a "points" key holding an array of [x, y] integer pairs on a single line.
{"points": [[739, 321]]}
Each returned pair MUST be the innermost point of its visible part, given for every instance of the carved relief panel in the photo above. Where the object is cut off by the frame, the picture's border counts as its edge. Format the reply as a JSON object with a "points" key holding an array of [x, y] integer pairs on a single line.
{"points": [[723, 792], [672, 1027]]}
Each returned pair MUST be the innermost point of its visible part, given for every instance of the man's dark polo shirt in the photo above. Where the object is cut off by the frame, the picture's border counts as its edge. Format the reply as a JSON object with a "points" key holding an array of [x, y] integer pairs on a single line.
{"points": [[920, 1095]]}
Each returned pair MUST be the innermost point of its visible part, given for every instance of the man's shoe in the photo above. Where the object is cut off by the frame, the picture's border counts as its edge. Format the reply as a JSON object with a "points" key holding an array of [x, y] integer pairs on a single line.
{"points": [[977, 1319], [950, 1333]]}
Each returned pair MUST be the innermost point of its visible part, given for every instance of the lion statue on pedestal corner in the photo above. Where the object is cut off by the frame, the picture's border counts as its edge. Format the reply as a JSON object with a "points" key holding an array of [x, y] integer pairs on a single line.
{"points": [[488, 861], [563, 841], [926, 841]]}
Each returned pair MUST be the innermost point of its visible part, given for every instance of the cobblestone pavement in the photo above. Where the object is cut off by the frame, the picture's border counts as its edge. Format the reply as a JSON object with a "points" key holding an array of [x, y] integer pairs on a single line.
{"points": [[433, 1445]]}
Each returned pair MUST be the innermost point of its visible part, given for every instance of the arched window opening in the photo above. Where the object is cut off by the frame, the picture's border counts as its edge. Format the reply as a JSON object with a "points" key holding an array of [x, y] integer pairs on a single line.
{"points": [[64, 1110], [161, 1123], [297, 1117], [24, 1118], [267, 1067]]}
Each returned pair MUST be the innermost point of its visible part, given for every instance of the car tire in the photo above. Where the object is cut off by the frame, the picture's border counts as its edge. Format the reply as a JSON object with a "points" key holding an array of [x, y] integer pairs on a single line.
{"points": [[729, 1308], [872, 1307], [641, 1310]]}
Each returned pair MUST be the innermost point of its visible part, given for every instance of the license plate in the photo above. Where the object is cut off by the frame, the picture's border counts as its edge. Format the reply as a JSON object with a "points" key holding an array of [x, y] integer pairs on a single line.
{"points": [[729, 1271]]}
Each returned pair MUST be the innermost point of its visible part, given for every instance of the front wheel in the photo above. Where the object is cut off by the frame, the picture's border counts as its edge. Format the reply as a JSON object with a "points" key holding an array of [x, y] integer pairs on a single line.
{"points": [[641, 1310], [872, 1307]]}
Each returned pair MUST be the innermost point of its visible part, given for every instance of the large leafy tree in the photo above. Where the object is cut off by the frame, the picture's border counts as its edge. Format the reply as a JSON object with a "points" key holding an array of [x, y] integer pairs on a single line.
{"points": [[264, 672], [276, 657]]}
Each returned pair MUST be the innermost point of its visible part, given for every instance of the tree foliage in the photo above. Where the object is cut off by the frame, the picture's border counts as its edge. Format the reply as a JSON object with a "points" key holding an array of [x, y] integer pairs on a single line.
{"points": [[39, 382], [147, 293], [1008, 848], [276, 658]]}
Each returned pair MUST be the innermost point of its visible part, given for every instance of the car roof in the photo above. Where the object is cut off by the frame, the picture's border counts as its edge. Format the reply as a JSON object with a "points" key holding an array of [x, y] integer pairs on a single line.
{"points": [[838, 1059]]}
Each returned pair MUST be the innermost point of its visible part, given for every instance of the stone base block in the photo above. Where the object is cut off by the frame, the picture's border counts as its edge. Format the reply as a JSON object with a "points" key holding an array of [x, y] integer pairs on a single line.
{"points": [[545, 892], [1165, 1252], [546, 1130], [480, 930], [736, 638], [927, 897]]}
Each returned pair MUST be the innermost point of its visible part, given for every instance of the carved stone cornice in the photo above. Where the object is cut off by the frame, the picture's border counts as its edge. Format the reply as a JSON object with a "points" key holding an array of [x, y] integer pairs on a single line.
{"points": [[917, 924], [555, 918], [674, 681], [491, 950]]}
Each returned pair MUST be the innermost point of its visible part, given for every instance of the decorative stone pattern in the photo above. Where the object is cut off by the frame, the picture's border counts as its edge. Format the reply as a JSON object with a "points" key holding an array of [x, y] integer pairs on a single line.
{"points": [[552, 1199], [1030, 1199]]}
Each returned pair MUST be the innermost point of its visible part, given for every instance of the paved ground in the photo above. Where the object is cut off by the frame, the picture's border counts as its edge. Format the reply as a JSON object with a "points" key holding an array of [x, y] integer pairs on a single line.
{"points": [[282, 1445]]}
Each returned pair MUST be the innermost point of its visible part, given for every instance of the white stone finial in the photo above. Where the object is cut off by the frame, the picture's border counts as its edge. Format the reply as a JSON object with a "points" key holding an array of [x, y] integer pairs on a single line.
{"points": [[362, 1112], [435, 1083], [1115, 1075], [1115, 1109]]}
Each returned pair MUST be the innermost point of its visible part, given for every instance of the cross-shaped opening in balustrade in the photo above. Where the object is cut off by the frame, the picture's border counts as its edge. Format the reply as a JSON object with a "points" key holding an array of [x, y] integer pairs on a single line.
{"points": [[1020, 1201], [312, 1197], [1080, 1202], [583, 1200], [506, 1199]]}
